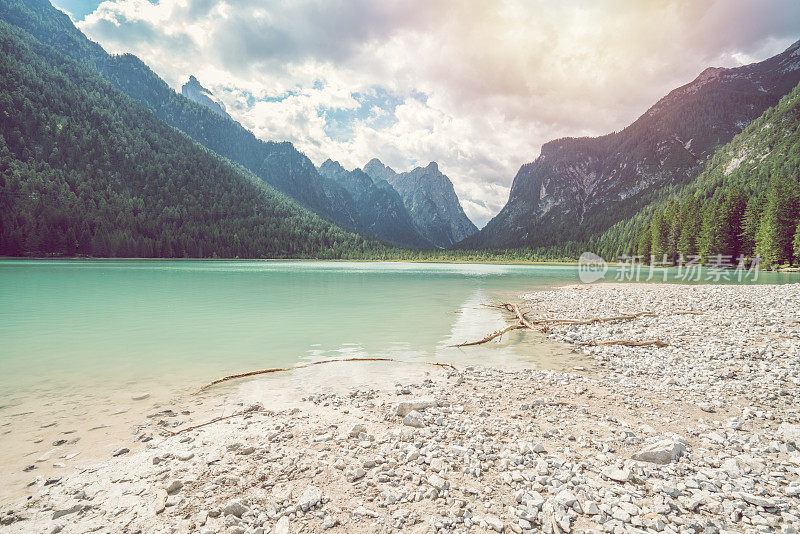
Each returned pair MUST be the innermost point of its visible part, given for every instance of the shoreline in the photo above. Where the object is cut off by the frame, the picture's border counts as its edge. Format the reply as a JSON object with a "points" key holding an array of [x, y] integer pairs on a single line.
{"points": [[485, 449]]}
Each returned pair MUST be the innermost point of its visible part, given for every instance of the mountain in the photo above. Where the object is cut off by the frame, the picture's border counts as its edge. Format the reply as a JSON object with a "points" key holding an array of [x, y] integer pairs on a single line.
{"points": [[376, 209], [746, 201], [195, 92], [429, 197], [579, 187], [378, 171], [277, 164], [85, 169]]}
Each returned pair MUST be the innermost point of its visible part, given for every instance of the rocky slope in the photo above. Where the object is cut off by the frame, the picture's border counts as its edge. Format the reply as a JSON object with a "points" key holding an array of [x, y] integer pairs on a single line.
{"points": [[374, 207], [195, 92], [579, 187], [430, 199]]}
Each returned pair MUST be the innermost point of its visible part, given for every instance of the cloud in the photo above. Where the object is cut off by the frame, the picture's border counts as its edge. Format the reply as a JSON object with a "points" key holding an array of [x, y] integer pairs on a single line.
{"points": [[475, 85]]}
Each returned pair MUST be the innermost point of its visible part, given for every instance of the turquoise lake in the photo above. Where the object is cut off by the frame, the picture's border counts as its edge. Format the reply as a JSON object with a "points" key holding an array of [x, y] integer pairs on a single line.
{"points": [[116, 323]]}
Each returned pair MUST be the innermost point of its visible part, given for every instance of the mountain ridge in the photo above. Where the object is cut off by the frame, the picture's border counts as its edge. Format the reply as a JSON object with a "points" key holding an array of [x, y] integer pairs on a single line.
{"points": [[377, 209], [430, 198], [579, 187]]}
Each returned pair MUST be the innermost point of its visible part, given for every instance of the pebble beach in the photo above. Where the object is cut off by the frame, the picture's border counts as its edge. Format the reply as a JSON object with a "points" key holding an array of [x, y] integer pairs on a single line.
{"points": [[699, 435]]}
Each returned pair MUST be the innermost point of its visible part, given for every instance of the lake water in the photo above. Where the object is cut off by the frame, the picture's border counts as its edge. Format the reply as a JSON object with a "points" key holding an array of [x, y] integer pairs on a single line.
{"points": [[80, 339]]}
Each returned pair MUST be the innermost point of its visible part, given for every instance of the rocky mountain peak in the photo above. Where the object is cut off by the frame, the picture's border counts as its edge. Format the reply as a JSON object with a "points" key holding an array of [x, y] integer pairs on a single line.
{"points": [[376, 170], [194, 90]]}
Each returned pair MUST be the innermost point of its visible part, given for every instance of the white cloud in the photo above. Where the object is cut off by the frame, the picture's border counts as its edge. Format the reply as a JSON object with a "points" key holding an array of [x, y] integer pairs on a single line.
{"points": [[501, 78]]}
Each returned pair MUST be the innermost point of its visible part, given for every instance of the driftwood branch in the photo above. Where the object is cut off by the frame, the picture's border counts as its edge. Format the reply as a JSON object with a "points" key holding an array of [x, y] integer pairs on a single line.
{"points": [[544, 325], [215, 420], [491, 336], [310, 364], [275, 370]]}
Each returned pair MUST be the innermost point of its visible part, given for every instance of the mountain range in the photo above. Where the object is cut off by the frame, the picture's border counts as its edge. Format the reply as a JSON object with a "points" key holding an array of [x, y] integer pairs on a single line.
{"points": [[709, 169], [203, 118], [579, 187], [430, 199]]}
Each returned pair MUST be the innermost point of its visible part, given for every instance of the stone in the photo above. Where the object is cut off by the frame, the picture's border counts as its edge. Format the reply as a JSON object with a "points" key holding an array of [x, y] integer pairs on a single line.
{"points": [[437, 465], [414, 419], [493, 523], [282, 526], [120, 452], [406, 407], [616, 474], [310, 498], [661, 452], [756, 500], [437, 482], [356, 430], [566, 498], [235, 508], [174, 487], [706, 407], [66, 511], [790, 434], [139, 396]]}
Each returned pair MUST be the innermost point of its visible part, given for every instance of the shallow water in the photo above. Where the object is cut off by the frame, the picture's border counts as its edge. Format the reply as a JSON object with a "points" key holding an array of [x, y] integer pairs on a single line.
{"points": [[80, 339]]}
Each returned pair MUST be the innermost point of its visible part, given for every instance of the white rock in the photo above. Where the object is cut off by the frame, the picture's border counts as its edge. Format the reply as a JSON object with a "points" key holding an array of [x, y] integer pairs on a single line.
{"points": [[414, 418], [282, 526], [406, 407], [616, 474], [661, 452], [790, 434], [310, 498]]}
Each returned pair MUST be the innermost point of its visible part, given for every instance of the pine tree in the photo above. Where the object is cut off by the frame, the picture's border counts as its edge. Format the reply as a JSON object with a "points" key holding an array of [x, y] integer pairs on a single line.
{"points": [[751, 224]]}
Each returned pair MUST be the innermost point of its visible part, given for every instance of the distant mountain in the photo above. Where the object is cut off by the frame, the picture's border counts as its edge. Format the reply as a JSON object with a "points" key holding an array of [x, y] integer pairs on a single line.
{"points": [[277, 164], [194, 91], [374, 207], [85, 169], [378, 171], [430, 199], [579, 187]]}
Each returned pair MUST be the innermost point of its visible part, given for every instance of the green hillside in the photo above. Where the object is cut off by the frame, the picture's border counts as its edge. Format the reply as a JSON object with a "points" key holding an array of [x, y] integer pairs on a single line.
{"points": [[746, 201], [84, 169]]}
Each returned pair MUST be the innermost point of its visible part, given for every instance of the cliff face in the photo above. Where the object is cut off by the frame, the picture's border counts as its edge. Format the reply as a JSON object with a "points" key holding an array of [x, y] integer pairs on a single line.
{"points": [[579, 187], [429, 197]]}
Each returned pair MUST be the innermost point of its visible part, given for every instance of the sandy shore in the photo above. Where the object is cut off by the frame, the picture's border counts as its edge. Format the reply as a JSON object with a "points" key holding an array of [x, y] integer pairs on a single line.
{"points": [[698, 436]]}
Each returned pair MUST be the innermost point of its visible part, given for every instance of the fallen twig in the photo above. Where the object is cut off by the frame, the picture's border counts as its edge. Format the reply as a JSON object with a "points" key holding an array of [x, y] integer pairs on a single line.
{"points": [[304, 365], [215, 420], [490, 336]]}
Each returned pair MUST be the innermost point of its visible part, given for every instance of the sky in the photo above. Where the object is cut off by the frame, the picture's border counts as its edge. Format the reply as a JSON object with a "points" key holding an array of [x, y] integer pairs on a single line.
{"points": [[477, 86]]}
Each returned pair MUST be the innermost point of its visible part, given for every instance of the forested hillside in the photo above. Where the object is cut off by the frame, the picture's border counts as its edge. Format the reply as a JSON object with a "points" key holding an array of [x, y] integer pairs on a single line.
{"points": [[84, 169], [746, 201], [278, 164]]}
